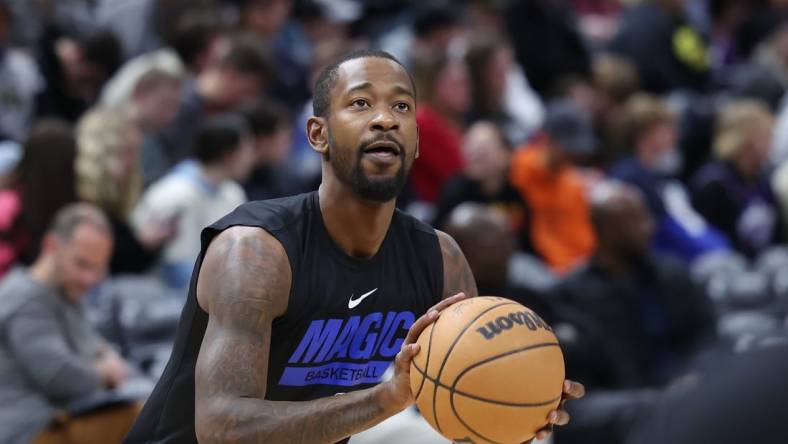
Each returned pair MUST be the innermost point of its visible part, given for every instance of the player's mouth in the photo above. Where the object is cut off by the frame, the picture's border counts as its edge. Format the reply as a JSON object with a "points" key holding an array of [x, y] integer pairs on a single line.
{"points": [[382, 151]]}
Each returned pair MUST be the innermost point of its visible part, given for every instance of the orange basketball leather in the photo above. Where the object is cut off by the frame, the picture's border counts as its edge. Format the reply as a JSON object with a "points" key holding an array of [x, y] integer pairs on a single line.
{"points": [[489, 371]]}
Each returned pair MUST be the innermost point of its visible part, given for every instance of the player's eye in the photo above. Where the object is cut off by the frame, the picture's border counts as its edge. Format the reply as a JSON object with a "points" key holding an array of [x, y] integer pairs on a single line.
{"points": [[360, 103], [402, 106]]}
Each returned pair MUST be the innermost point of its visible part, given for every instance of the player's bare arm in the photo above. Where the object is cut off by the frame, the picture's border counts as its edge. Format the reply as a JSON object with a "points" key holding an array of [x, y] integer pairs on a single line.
{"points": [[457, 275], [250, 287]]}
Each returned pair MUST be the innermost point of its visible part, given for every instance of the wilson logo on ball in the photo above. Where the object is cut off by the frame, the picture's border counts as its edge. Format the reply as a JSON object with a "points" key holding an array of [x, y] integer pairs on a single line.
{"points": [[517, 318]]}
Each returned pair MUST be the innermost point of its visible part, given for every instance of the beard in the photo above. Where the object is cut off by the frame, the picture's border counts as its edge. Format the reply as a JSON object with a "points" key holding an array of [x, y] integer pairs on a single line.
{"points": [[348, 169]]}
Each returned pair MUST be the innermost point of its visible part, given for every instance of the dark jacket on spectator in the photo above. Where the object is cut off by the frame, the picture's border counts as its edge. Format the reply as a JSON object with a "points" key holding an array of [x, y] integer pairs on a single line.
{"points": [[652, 320], [744, 210], [56, 100], [651, 37], [128, 254], [546, 41], [680, 230]]}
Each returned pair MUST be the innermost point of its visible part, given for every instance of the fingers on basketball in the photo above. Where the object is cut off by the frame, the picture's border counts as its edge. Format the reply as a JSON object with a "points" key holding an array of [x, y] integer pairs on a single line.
{"points": [[489, 371]]}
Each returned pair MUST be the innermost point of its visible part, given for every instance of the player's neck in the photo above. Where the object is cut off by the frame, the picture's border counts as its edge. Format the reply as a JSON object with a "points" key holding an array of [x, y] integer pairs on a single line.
{"points": [[358, 227]]}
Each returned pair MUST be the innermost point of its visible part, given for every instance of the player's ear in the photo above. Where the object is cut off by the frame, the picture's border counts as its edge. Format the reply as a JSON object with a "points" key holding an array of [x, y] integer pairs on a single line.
{"points": [[317, 134]]}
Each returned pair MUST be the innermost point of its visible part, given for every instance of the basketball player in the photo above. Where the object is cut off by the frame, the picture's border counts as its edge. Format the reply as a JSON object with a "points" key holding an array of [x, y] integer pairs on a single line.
{"points": [[299, 305]]}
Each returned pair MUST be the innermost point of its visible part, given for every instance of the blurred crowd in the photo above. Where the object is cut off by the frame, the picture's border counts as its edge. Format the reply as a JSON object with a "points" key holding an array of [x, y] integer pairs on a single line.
{"points": [[620, 166]]}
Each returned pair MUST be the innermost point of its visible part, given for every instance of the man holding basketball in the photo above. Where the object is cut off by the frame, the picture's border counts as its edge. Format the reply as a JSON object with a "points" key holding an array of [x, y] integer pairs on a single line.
{"points": [[298, 305]]}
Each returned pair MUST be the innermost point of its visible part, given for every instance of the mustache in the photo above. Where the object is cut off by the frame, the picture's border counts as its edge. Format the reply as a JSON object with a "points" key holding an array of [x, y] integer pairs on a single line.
{"points": [[382, 138]]}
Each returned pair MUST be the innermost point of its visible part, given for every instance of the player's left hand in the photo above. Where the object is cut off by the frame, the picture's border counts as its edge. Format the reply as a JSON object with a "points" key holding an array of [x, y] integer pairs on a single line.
{"points": [[572, 390]]}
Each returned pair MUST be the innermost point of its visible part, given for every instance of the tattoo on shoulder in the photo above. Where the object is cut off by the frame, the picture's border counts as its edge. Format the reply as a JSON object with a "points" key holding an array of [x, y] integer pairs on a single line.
{"points": [[457, 275], [245, 273]]}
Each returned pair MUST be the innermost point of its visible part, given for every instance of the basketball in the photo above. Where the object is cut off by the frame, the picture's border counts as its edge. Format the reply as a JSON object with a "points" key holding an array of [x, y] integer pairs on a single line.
{"points": [[489, 370]]}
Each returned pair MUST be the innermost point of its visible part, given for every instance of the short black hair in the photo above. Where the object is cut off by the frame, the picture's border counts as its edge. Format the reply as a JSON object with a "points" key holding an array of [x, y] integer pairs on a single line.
{"points": [[218, 137], [327, 79], [265, 116], [193, 33], [102, 48], [435, 18]]}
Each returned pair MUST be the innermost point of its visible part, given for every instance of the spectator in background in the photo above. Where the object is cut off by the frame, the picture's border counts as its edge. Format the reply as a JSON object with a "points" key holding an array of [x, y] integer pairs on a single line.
{"points": [[546, 41], [434, 30], [75, 69], [775, 57], [733, 192], [20, 82], [486, 238], [131, 22], [303, 160], [152, 106], [554, 189], [294, 44], [500, 90], [42, 183], [271, 130], [765, 76], [34, 19], [264, 18], [726, 18], [484, 180], [653, 316], [238, 75], [649, 128], [199, 191], [444, 98], [614, 80], [670, 54], [194, 42], [196, 38], [597, 20], [108, 176], [51, 355], [576, 89], [265, 21], [763, 18]]}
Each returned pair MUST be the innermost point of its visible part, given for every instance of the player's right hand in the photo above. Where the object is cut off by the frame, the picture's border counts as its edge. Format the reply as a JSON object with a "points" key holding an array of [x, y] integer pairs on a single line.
{"points": [[397, 389]]}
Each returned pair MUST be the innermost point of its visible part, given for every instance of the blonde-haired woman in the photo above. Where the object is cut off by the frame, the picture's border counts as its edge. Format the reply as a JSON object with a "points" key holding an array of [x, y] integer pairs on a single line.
{"points": [[108, 175], [732, 191]]}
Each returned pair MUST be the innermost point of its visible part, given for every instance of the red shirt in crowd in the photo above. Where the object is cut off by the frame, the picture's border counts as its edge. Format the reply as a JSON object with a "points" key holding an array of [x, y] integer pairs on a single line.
{"points": [[440, 157]]}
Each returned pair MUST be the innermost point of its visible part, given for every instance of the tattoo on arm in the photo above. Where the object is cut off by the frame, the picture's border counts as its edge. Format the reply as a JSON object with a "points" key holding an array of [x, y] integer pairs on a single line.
{"points": [[244, 284], [457, 275]]}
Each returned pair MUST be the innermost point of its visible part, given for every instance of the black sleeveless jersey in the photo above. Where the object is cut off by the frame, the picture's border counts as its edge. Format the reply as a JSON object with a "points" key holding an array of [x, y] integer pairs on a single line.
{"points": [[346, 317]]}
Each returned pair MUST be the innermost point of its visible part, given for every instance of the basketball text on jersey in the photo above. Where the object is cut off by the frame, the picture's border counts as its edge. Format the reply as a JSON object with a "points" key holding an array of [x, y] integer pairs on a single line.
{"points": [[516, 318], [347, 352]]}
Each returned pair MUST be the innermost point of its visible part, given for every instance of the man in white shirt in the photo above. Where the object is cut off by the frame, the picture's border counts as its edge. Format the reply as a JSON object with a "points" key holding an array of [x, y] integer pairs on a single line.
{"points": [[198, 191]]}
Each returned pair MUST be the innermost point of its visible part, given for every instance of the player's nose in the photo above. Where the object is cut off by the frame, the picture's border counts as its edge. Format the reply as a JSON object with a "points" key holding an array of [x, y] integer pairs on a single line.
{"points": [[384, 120]]}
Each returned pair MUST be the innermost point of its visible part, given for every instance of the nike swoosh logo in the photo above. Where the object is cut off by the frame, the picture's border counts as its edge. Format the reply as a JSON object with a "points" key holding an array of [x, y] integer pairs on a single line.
{"points": [[352, 303]]}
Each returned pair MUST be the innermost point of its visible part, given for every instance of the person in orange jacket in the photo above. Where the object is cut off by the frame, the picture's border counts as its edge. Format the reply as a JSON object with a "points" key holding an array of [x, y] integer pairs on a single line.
{"points": [[555, 189]]}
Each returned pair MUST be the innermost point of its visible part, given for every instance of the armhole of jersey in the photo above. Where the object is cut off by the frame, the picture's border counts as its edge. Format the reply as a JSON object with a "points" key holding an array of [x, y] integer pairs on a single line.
{"points": [[436, 269], [440, 271]]}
